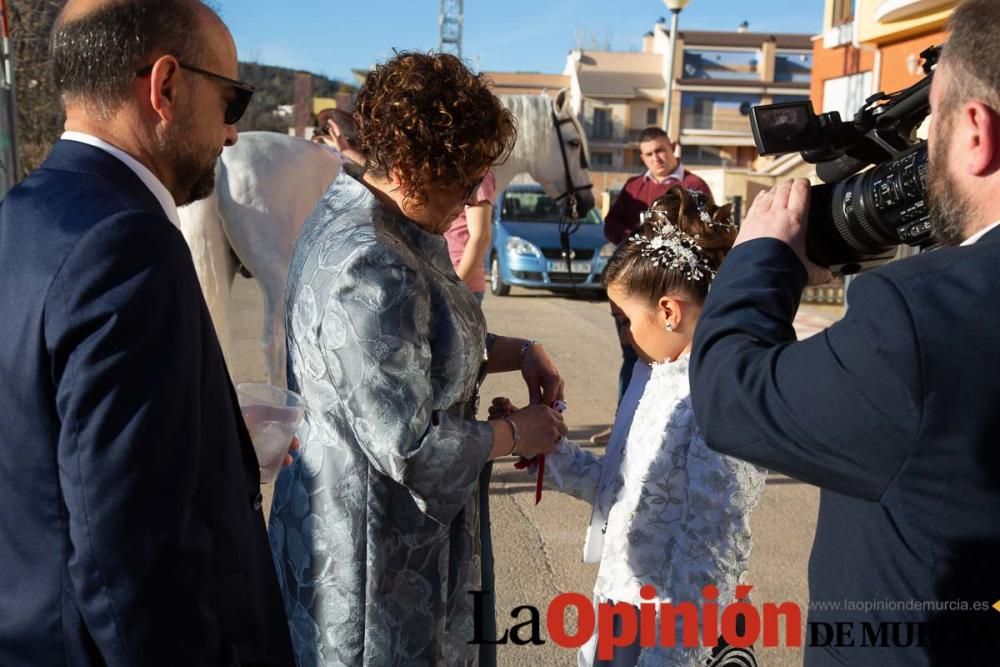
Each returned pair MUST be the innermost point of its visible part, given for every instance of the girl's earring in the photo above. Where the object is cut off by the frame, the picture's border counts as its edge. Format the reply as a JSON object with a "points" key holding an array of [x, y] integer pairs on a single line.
{"points": [[670, 327]]}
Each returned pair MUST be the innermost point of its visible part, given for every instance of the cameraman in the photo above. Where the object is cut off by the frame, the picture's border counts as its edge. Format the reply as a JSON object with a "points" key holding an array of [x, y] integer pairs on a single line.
{"points": [[894, 411]]}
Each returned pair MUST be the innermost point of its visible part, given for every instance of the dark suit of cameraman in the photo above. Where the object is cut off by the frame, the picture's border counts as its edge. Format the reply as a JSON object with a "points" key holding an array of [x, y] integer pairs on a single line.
{"points": [[895, 413]]}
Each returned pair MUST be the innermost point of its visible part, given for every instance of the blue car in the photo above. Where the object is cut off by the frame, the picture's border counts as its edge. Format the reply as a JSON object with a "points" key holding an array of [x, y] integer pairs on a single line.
{"points": [[526, 249]]}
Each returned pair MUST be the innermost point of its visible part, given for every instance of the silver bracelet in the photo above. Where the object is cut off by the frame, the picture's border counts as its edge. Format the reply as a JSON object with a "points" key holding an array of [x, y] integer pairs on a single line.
{"points": [[524, 350], [517, 436]]}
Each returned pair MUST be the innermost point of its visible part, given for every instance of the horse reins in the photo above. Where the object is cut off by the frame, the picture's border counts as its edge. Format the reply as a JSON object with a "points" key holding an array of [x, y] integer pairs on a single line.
{"points": [[569, 224]]}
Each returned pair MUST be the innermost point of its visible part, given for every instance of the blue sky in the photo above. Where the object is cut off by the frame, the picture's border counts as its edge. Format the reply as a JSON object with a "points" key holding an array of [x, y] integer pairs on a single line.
{"points": [[332, 36]]}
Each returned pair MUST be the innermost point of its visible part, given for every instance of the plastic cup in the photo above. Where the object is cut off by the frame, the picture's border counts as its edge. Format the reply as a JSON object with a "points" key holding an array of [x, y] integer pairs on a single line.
{"points": [[272, 415]]}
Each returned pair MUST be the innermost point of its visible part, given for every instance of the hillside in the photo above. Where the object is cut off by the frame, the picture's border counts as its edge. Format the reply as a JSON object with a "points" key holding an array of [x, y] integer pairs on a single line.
{"points": [[276, 86]]}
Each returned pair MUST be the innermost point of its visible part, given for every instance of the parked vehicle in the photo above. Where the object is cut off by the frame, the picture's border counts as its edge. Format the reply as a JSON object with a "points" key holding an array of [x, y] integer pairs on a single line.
{"points": [[526, 249]]}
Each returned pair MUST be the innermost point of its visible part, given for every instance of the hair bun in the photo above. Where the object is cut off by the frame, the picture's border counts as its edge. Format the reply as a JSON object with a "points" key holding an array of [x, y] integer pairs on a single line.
{"points": [[696, 214]]}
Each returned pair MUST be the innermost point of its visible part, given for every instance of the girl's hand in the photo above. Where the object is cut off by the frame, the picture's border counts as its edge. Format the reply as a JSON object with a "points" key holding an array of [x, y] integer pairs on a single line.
{"points": [[501, 407]]}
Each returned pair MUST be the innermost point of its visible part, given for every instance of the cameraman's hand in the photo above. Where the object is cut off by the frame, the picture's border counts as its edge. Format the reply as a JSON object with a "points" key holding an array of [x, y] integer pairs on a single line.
{"points": [[781, 213]]}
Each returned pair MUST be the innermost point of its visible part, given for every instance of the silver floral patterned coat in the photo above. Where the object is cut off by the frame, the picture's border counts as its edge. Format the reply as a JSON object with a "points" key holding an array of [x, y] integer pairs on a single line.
{"points": [[374, 528]]}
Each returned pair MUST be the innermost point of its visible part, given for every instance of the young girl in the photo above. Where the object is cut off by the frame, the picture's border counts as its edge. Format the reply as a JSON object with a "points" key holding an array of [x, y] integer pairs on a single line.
{"points": [[667, 510]]}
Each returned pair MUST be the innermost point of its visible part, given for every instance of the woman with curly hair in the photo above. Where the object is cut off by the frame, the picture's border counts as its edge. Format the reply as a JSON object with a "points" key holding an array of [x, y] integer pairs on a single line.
{"points": [[381, 526]]}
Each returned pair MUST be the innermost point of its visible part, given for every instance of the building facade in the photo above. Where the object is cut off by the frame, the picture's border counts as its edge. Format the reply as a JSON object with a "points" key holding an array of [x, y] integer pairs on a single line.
{"points": [[869, 46], [717, 78]]}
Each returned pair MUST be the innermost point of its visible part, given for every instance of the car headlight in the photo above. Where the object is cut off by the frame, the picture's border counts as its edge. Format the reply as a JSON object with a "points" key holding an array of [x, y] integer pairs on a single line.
{"points": [[607, 250], [518, 246]]}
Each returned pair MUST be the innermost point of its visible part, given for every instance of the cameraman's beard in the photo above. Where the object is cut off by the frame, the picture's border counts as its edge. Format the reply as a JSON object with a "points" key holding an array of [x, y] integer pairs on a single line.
{"points": [[948, 208]]}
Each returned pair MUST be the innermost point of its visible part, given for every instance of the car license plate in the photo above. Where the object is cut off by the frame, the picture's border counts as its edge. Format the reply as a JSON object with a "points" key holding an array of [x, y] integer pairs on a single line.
{"points": [[559, 266]]}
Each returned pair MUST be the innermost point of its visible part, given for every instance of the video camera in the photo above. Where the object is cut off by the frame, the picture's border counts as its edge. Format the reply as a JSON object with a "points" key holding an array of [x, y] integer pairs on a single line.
{"points": [[856, 220]]}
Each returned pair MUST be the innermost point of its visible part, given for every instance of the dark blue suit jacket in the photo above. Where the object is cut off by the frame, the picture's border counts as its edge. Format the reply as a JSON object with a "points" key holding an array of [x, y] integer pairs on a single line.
{"points": [[895, 413], [130, 528]]}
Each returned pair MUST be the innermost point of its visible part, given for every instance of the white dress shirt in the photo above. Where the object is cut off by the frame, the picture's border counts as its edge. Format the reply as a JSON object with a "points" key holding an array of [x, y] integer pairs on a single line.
{"points": [[676, 175], [980, 234], [152, 182]]}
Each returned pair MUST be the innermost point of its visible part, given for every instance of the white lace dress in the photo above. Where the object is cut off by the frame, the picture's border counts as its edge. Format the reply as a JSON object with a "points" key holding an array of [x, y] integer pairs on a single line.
{"points": [[668, 511]]}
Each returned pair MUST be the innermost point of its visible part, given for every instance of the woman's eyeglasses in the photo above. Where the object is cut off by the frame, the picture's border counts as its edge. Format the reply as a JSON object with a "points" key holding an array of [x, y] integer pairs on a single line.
{"points": [[242, 91]]}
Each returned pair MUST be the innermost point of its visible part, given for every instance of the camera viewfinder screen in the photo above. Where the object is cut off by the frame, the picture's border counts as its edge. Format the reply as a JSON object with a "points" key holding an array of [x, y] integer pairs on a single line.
{"points": [[783, 128]]}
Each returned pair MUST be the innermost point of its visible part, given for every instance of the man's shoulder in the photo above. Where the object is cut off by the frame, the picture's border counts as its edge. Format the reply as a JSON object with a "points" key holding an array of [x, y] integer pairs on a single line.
{"points": [[693, 181], [52, 211], [959, 278], [634, 182]]}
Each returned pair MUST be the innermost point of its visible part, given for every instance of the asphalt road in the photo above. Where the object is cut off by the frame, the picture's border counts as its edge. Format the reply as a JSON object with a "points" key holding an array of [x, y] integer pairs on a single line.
{"points": [[538, 548]]}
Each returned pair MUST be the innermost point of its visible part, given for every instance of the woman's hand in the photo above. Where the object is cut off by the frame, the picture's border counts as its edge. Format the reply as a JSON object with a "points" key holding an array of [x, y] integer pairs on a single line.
{"points": [[545, 384], [294, 447], [539, 429]]}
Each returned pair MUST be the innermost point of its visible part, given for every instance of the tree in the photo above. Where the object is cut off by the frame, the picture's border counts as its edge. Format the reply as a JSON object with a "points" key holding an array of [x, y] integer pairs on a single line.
{"points": [[39, 112]]}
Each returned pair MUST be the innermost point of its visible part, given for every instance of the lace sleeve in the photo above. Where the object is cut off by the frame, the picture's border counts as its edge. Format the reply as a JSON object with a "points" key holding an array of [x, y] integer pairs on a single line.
{"points": [[578, 470]]}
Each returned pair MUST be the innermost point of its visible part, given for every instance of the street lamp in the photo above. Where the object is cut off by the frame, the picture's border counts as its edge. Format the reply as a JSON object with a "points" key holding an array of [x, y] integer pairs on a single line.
{"points": [[675, 7]]}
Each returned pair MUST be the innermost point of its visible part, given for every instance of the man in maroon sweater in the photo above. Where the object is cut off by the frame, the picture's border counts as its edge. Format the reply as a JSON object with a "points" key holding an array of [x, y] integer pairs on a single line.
{"points": [[663, 170]]}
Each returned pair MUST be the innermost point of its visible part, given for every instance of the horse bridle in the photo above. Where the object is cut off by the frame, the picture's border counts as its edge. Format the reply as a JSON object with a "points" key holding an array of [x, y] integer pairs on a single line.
{"points": [[569, 224], [571, 190]]}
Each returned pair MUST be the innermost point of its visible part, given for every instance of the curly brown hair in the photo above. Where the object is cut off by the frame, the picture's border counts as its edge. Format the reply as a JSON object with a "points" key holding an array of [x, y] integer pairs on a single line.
{"points": [[638, 275], [432, 122]]}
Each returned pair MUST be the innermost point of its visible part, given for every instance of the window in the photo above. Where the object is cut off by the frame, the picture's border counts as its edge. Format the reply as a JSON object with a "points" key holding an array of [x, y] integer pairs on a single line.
{"points": [[706, 156], [528, 204], [720, 112], [846, 94], [602, 128], [723, 65], [843, 12], [652, 116], [794, 67], [600, 159]]}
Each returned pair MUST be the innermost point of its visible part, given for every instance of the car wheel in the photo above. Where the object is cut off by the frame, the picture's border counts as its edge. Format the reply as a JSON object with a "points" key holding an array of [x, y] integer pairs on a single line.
{"points": [[497, 286]]}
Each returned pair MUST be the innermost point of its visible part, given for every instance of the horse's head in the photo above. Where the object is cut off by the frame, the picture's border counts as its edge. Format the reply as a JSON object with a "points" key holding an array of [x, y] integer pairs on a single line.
{"points": [[561, 156]]}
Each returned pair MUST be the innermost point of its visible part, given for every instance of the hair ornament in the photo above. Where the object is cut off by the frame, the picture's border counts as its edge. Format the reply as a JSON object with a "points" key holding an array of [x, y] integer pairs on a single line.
{"points": [[671, 248]]}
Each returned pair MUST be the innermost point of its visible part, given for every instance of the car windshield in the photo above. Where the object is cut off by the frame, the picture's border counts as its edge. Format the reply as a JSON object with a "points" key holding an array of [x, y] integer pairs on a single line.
{"points": [[536, 206]]}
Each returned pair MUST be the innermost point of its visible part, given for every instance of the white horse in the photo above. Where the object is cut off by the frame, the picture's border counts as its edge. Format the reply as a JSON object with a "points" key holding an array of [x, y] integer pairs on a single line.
{"points": [[269, 183]]}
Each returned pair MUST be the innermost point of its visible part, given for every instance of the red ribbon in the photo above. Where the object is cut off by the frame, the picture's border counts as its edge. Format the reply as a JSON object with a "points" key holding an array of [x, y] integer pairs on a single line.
{"points": [[523, 464]]}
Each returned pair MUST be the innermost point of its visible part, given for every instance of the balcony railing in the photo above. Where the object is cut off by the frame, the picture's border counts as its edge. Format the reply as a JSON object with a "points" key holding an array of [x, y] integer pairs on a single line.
{"points": [[695, 121], [605, 131]]}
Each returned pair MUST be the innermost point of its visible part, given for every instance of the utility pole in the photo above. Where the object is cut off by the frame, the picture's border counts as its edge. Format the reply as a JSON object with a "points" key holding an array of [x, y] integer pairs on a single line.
{"points": [[9, 168], [450, 19]]}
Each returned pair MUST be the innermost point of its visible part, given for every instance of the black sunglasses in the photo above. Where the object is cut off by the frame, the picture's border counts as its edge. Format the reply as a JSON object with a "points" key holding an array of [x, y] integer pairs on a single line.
{"points": [[242, 91]]}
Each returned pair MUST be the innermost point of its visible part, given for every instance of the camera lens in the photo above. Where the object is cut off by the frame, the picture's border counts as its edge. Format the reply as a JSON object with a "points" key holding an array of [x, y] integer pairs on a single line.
{"points": [[861, 219]]}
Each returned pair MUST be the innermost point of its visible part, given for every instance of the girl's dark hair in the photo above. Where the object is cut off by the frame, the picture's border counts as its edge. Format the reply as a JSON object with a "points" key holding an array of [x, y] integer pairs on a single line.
{"points": [[638, 275], [433, 122]]}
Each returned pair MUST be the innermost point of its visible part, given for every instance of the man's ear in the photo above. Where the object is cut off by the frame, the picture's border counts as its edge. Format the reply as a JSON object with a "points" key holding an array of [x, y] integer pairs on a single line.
{"points": [[978, 134], [163, 87]]}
